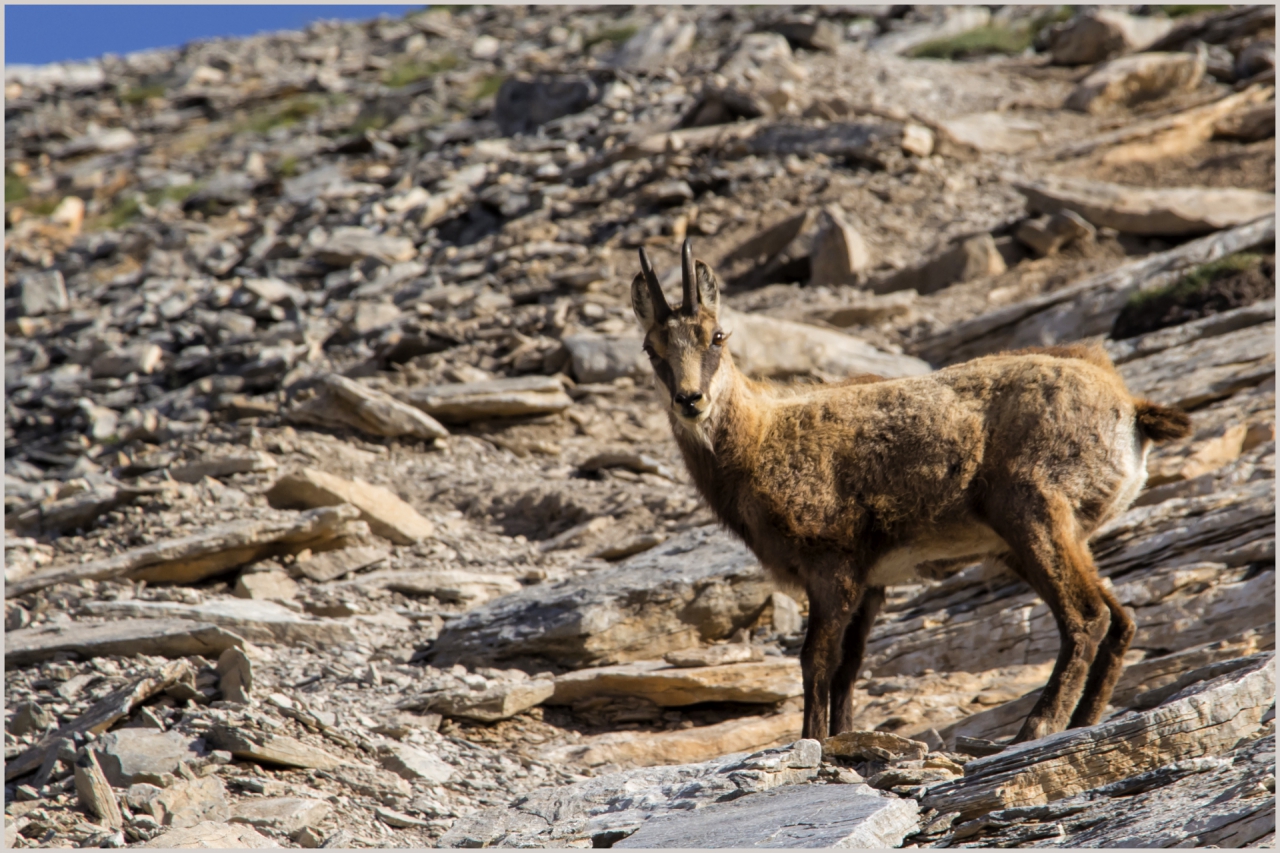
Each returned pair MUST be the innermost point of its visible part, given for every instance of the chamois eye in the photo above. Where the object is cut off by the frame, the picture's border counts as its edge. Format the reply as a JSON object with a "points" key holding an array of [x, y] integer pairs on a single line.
{"points": [[718, 338]]}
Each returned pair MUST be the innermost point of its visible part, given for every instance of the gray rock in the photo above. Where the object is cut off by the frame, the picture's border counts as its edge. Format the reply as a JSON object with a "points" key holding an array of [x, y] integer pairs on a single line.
{"points": [[949, 21], [604, 358], [1047, 234], [349, 244], [976, 257], [168, 637], [132, 755], [767, 346], [604, 809], [414, 764], [345, 402], [282, 814], [794, 816], [708, 585], [658, 45], [42, 292], [1205, 718], [1100, 34], [255, 621], [497, 398], [809, 32], [523, 105], [1134, 79]]}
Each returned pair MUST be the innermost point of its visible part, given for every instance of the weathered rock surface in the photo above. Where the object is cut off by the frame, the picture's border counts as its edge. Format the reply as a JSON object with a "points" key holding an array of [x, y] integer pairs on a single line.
{"points": [[1154, 212], [612, 807], [468, 401], [767, 681], [1134, 79], [699, 586], [386, 514], [1204, 719], [288, 815], [170, 637], [211, 835], [256, 621], [142, 755], [344, 402], [793, 816], [771, 347], [192, 558], [272, 749]]}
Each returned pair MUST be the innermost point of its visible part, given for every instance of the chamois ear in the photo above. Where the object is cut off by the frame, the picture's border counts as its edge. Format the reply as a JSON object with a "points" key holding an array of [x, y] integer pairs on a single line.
{"points": [[646, 296], [642, 302], [708, 288]]}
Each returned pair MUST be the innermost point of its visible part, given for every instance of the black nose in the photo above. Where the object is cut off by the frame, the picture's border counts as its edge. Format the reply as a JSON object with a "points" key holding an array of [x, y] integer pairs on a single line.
{"points": [[687, 400]]}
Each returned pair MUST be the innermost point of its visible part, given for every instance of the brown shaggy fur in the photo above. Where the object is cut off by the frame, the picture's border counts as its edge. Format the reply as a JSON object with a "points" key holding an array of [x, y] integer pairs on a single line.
{"points": [[842, 489]]}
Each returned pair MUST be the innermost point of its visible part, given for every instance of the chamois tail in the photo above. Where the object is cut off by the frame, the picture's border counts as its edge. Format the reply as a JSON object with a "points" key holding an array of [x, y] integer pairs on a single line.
{"points": [[1161, 423]]}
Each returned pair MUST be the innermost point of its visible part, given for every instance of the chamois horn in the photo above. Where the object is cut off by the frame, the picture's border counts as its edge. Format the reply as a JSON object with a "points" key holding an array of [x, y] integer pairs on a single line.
{"points": [[690, 307], [660, 307]]}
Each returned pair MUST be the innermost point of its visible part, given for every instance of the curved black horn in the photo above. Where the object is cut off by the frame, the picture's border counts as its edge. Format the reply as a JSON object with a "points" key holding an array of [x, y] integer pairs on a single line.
{"points": [[690, 306], [660, 306]]}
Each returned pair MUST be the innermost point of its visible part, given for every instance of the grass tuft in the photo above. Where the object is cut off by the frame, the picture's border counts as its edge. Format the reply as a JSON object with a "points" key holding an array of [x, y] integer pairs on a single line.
{"points": [[1010, 39], [15, 189], [404, 73], [1200, 277], [615, 35], [141, 93], [487, 87]]}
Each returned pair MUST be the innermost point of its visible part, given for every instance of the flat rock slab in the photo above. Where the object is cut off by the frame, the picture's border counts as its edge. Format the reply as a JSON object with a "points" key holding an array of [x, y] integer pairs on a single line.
{"points": [[609, 807], [132, 755], [767, 346], [414, 764], [794, 816], [222, 466], [332, 565], [1207, 369], [454, 586], [1204, 719], [185, 802], [499, 701], [171, 638], [768, 681], [211, 836], [255, 621], [272, 749], [345, 402], [682, 745], [1168, 212], [192, 558], [283, 814], [387, 515], [497, 398], [699, 586]]}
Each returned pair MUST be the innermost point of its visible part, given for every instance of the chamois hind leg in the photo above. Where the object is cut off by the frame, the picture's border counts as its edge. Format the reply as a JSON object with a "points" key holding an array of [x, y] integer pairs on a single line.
{"points": [[1047, 550], [854, 646], [1106, 666], [829, 612]]}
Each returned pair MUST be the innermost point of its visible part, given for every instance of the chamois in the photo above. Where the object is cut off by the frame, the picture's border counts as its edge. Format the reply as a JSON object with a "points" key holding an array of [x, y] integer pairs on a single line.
{"points": [[844, 488]]}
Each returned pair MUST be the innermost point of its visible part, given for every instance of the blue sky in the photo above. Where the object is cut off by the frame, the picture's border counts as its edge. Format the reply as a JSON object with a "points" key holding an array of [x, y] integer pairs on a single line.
{"points": [[38, 34]]}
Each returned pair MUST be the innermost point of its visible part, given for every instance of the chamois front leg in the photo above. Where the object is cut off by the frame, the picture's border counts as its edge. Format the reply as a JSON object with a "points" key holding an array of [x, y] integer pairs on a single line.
{"points": [[855, 645], [829, 614]]}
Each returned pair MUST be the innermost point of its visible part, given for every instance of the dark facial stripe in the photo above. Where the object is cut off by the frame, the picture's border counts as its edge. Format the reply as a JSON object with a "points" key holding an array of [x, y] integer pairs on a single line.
{"points": [[710, 364], [665, 375]]}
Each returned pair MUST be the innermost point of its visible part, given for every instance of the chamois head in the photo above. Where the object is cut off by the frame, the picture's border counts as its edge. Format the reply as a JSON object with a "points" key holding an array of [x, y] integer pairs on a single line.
{"points": [[685, 345]]}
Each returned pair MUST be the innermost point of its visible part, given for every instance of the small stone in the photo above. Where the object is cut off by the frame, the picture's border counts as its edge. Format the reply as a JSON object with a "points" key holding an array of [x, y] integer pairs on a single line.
{"points": [[485, 47], [287, 815], [415, 764], [131, 755], [223, 466], [42, 292], [398, 819], [272, 749], [917, 139], [720, 655], [976, 257], [839, 255], [860, 745], [386, 514], [1134, 79], [142, 358], [29, 717], [332, 565], [785, 613], [269, 586], [499, 701], [235, 676], [1047, 234], [184, 803]]}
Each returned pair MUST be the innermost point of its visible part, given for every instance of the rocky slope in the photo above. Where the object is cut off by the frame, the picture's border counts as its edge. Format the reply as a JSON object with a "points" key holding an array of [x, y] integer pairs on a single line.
{"points": [[340, 510]]}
